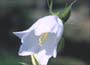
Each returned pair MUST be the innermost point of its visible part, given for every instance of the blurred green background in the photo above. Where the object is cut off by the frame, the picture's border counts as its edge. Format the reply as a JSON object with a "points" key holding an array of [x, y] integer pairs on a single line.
{"points": [[18, 15]]}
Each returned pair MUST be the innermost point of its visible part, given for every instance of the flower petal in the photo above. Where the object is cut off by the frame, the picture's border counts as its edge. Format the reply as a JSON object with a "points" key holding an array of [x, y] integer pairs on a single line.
{"points": [[43, 58], [29, 44], [46, 24], [60, 29], [50, 45], [20, 34]]}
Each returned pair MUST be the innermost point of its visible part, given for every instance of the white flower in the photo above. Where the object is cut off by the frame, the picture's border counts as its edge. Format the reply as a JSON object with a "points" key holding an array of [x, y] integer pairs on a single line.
{"points": [[41, 38]]}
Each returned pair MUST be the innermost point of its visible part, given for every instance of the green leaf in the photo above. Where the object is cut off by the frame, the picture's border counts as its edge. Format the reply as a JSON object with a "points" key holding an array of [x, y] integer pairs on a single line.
{"points": [[66, 13]]}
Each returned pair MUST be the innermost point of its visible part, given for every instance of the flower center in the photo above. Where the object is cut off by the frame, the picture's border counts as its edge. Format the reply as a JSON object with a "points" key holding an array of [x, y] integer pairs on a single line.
{"points": [[43, 38]]}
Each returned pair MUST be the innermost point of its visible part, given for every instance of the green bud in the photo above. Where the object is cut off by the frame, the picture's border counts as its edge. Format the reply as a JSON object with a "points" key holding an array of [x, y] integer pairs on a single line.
{"points": [[66, 12], [62, 15]]}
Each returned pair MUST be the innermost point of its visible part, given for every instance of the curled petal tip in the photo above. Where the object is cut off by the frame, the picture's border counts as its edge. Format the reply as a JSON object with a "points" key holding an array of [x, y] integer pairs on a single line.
{"points": [[18, 34], [14, 32], [24, 53]]}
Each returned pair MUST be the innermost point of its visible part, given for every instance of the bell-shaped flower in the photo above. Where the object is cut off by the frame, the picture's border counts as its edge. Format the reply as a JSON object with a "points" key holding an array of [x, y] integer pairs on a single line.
{"points": [[41, 38]]}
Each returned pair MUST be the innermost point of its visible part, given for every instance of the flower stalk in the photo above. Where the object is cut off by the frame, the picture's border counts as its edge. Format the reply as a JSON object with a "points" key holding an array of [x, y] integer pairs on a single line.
{"points": [[50, 5]]}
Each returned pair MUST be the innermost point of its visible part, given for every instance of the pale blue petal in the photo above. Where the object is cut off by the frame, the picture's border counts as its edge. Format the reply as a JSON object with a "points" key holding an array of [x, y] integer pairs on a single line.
{"points": [[29, 45], [50, 45], [60, 29], [46, 24], [43, 58], [20, 34]]}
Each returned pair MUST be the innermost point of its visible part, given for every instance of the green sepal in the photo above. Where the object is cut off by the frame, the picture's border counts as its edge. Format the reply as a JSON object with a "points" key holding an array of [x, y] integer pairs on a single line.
{"points": [[60, 45], [66, 12]]}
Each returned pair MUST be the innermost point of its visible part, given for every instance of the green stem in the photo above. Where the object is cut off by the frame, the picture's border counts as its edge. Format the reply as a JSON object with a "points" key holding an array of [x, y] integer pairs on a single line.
{"points": [[50, 5]]}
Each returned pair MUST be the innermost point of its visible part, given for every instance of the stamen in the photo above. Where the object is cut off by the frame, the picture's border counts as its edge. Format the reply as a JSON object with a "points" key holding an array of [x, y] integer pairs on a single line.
{"points": [[43, 38]]}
